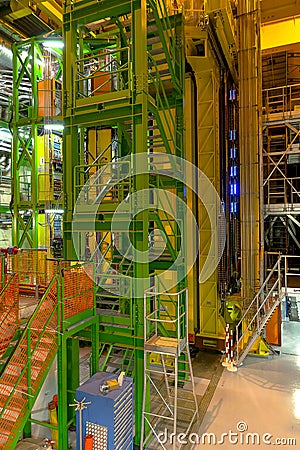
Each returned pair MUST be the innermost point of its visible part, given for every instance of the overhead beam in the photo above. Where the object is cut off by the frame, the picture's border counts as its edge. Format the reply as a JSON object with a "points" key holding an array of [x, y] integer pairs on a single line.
{"points": [[276, 34], [52, 9]]}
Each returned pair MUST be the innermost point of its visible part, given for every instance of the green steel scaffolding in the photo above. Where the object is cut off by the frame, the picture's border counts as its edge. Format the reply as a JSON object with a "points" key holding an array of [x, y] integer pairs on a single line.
{"points": [[123, 117], [36, 106]]}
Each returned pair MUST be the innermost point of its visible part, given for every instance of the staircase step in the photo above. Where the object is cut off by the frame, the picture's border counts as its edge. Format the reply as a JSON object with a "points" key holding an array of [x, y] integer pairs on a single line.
{"points": [[154, 137], [20, 385], [18, 400], [113, 325], [151, 30], [45, 342], [112, 318], [39, 349], [7, 426], [156, 51], [112, 313], [164, 72], [158, 62], [113, 364], [104, 293], [4, 436], [39, 356], [11, 414], [152, 146], [5, 389], [107, 302]]}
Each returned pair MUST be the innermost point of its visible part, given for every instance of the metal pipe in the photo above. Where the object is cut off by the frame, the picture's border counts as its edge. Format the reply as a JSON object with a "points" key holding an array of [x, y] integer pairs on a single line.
{"points": [[248, 21]]}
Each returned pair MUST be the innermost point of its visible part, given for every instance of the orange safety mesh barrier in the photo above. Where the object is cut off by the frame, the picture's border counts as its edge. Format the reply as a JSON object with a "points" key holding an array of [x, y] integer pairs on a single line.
{"points": [[9, 312], [2, 262], [78, 294], [32, 266], [27, 367]]}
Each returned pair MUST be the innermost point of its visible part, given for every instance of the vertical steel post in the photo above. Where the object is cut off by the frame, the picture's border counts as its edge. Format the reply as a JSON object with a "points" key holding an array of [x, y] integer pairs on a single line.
{"points": [[71, 149], [141, 182]]}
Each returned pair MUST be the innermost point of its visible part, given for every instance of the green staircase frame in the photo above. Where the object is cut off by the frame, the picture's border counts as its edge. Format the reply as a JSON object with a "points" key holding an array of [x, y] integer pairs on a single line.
{"points": [[48, 333], [144, 104]]}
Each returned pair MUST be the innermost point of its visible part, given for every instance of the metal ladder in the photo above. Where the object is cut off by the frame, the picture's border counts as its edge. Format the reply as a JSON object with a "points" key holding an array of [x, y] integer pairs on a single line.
{"points": [[169, 398]]}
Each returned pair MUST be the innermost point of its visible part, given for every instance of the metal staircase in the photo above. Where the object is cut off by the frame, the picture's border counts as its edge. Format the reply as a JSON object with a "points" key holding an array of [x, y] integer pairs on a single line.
{"points": [[113, 359], [27, 368], [100, 187], [65, 307], [258, 313]]}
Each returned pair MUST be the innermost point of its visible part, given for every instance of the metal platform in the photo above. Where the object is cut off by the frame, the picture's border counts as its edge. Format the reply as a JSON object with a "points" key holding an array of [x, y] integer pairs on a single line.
{"points": [[166, 345]]}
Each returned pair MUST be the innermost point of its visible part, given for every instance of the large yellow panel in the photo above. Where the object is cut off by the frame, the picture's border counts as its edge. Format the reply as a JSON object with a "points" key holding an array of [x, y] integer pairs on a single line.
{"points": [[280, 33], [45, 187]]}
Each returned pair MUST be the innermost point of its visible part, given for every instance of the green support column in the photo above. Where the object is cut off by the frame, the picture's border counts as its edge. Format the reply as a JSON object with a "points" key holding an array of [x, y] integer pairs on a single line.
{"points": [[15, 153], [24, 154], [71, 137], [141, 268], [94, 365], [70, 154], [62, 376], [36, 52], [27, 123], [62, 367], [179, 149], [73, 380]]}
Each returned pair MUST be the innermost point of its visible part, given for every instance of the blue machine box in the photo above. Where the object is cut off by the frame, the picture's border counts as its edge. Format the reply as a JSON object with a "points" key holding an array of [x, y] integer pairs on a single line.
{"points": [[108, 417]]}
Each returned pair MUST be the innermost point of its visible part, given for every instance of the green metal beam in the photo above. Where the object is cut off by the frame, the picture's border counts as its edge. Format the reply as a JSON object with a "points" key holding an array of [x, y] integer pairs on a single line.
{"points": [[87, 11]]}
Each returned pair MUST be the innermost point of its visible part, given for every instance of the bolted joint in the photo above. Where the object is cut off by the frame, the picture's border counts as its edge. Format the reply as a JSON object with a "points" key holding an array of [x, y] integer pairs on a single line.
{"points": [[179, 41], [66, 201], [179, 123], [140, 82], [66, 97]]}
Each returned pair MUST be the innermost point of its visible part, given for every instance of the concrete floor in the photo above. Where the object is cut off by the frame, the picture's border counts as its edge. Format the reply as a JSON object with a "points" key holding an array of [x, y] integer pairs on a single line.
{"points": [[291, 338], [260, 402], [255, 407], [263, 396]]}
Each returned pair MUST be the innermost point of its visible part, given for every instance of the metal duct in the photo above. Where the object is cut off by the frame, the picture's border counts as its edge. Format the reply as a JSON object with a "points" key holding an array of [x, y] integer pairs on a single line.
{"points": [[5, 57], [6, 169]]}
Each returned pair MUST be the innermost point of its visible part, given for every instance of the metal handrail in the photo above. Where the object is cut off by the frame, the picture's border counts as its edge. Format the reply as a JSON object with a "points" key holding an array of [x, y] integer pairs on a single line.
{"points": [[10, 281], [281, 96], [97, 181], [161, 92], [287, 180], [153, 316], [259, 302], [102, 69]]}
